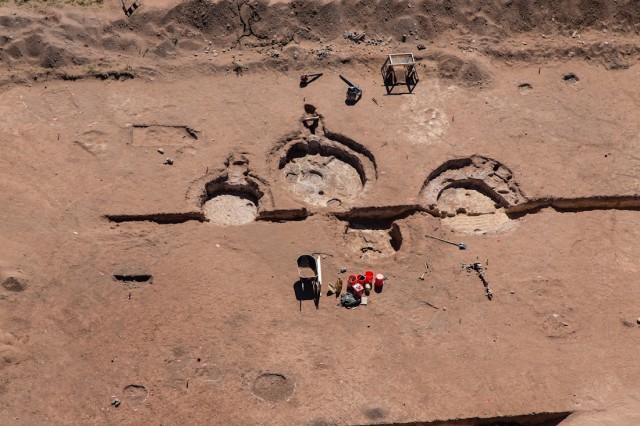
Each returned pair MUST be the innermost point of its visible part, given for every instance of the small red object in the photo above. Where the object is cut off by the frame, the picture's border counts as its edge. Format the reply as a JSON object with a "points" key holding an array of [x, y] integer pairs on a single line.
{"points": [[362, 280], [358, 289]]}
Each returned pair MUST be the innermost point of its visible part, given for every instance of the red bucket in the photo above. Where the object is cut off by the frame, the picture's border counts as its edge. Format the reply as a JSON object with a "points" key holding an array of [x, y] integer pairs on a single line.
{"points": [[351, 280], [368, 277], [362, 280]]}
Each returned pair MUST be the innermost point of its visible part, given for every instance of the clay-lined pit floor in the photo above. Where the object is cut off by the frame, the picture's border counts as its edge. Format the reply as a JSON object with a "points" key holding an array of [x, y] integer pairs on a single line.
{"points": [[321, 180], [227, 209], [469, 210], [192, 346]]}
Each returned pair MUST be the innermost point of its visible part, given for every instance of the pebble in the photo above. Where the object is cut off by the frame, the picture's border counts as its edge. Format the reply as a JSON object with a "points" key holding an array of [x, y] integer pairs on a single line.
{"points": [[168, 161], [638, 321], [161, 151]]}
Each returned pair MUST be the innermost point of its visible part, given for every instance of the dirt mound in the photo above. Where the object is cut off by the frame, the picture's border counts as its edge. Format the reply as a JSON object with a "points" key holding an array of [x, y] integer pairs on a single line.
{"points": [[56, 38]]}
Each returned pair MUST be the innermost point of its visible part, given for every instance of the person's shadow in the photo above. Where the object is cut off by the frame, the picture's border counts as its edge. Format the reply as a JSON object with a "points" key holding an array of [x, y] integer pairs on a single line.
{"points": [[303, 290]]}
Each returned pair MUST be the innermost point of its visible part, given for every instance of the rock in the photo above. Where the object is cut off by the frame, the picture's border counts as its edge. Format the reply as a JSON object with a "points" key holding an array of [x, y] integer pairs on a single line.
{"points": [[421, 47], [161, 151], [168, 161], [115, 402], [638, 321]]}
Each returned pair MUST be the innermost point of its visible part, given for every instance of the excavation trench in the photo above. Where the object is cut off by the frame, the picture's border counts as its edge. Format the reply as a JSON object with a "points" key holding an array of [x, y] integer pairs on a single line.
{"points": [[575, 205], [377, 216], [535, 419], [160, 218]]}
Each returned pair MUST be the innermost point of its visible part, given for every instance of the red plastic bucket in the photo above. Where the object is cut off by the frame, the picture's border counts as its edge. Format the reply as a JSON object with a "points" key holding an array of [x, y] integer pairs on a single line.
{"points": [[362, 280], [379, 281], [368, 277], [351, 280]]}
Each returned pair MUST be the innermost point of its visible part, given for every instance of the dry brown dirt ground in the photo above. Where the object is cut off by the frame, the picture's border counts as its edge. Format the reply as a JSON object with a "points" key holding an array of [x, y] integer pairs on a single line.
{"points": [[173, 287]]}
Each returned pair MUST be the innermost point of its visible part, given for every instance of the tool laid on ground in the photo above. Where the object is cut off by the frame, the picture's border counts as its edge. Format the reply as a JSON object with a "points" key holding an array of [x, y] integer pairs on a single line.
{"points": [[477, 266], [354, 93], [426, 270], [461, 246], [308, 78]]}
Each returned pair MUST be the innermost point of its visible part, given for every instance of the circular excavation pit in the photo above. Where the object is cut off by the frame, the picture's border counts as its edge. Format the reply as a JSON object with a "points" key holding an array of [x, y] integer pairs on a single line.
{"points": [[228, 202], [273, 387], [324, 173], [472, 194], [135, 394]]}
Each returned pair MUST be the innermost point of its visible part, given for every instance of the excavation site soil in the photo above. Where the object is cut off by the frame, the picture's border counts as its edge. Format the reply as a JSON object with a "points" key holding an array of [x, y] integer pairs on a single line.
{"points": [[166, 168]]}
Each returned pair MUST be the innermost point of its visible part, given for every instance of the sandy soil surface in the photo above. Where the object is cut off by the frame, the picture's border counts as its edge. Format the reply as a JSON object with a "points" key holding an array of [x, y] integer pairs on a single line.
{"points": [[159, 181]]}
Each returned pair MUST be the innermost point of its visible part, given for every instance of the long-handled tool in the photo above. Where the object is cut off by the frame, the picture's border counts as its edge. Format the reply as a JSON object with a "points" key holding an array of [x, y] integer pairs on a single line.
{"points": [[308, 78], [354, 93], [461, 246]]}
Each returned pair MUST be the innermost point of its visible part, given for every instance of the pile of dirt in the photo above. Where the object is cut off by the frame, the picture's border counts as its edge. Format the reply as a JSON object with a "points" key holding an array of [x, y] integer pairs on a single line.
{"points": [[54, 38]]}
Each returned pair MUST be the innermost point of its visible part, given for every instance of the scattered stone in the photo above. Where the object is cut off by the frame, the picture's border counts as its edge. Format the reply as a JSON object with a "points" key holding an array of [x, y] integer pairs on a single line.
{"points": [[116, 402], [421, 47], [356, 37], [324, 53], [168, 161], [161, 151], [343, 270], [638, 321]]}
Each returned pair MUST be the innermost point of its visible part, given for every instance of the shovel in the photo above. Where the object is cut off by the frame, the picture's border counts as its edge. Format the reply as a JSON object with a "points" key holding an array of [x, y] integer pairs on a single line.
{"points": [[461, 246]]}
